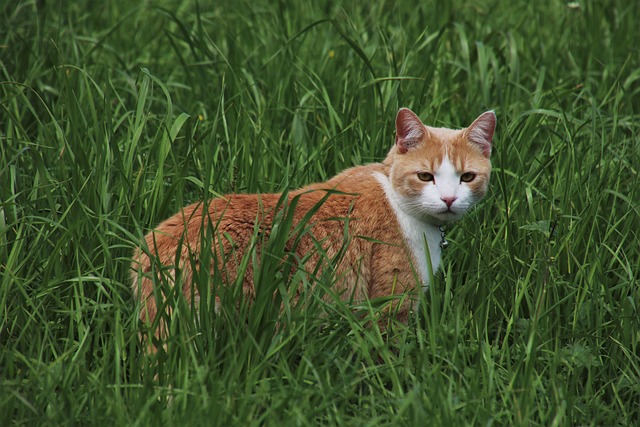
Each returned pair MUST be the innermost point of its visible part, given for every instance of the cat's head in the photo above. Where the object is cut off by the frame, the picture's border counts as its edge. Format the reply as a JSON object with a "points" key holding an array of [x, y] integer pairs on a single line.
{"points": [[438, 174]]}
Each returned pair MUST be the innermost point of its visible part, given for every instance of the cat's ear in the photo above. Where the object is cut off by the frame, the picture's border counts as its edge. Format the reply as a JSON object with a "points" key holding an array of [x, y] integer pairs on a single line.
{"points": [[481, 131], [409, 130]]}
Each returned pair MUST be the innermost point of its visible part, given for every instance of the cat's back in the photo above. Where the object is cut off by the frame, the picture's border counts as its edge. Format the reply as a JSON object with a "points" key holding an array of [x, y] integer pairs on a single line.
{"points": [[239, 213]]}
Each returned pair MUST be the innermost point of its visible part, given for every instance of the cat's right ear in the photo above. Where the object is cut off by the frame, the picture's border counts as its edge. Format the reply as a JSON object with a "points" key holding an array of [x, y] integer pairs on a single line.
{"points": [[409, 130]]}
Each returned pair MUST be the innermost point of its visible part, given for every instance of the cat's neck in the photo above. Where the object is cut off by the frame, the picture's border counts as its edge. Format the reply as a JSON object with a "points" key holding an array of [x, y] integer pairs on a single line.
{"points": [[422, 238]]}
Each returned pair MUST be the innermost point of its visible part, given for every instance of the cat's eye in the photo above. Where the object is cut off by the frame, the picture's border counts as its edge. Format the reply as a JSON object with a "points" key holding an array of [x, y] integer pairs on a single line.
{"points": [[467, 177], [425, 176]]}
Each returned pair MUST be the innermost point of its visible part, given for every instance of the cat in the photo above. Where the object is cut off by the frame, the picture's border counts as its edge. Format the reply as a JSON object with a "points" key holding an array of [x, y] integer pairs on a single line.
{"points": [[393, 212]]}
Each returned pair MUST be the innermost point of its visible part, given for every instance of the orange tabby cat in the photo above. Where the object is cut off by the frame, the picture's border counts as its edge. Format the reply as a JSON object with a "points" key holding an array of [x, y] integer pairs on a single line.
{"points": [[430, 177]]}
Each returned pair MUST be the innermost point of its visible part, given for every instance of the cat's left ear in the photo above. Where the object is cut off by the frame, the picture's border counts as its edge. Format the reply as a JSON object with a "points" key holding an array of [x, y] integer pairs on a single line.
{"points": [[481, 131]]}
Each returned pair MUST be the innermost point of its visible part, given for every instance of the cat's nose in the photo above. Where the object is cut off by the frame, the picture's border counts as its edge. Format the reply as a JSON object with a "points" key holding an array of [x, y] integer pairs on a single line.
{"points": [[448, 200]]}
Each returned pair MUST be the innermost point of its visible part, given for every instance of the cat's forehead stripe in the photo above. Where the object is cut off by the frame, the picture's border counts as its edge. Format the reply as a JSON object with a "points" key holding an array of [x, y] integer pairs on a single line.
{"points": [[456, 148], [446, 143]]}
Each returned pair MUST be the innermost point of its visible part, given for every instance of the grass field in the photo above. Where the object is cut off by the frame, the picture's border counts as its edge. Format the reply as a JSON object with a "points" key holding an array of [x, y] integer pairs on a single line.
{"points": [[115, 114]]}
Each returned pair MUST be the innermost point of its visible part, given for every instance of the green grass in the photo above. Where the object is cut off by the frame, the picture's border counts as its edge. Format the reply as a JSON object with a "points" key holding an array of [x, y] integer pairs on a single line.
{"points": [[115, 114]]}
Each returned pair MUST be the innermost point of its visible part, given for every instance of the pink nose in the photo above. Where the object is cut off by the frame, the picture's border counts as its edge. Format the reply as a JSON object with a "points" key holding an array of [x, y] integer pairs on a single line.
{"points": [[448, 200]]}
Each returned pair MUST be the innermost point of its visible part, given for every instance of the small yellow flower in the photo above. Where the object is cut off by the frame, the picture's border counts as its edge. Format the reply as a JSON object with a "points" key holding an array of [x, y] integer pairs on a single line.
{"points": [[332, 53], [201, 117]]}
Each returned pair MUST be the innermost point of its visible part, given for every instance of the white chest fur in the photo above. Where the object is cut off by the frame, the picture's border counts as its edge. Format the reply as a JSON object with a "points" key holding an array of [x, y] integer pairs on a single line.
{"points": [[415, 233]]}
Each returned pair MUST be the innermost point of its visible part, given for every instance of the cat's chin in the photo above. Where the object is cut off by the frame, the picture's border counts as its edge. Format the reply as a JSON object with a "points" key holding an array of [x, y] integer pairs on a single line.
{"points": [[438, 219], [446, 217]]}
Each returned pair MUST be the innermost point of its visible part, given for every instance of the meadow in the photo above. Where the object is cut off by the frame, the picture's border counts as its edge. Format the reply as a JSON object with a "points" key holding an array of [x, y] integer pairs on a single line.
{"points": [[115, 114]]}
